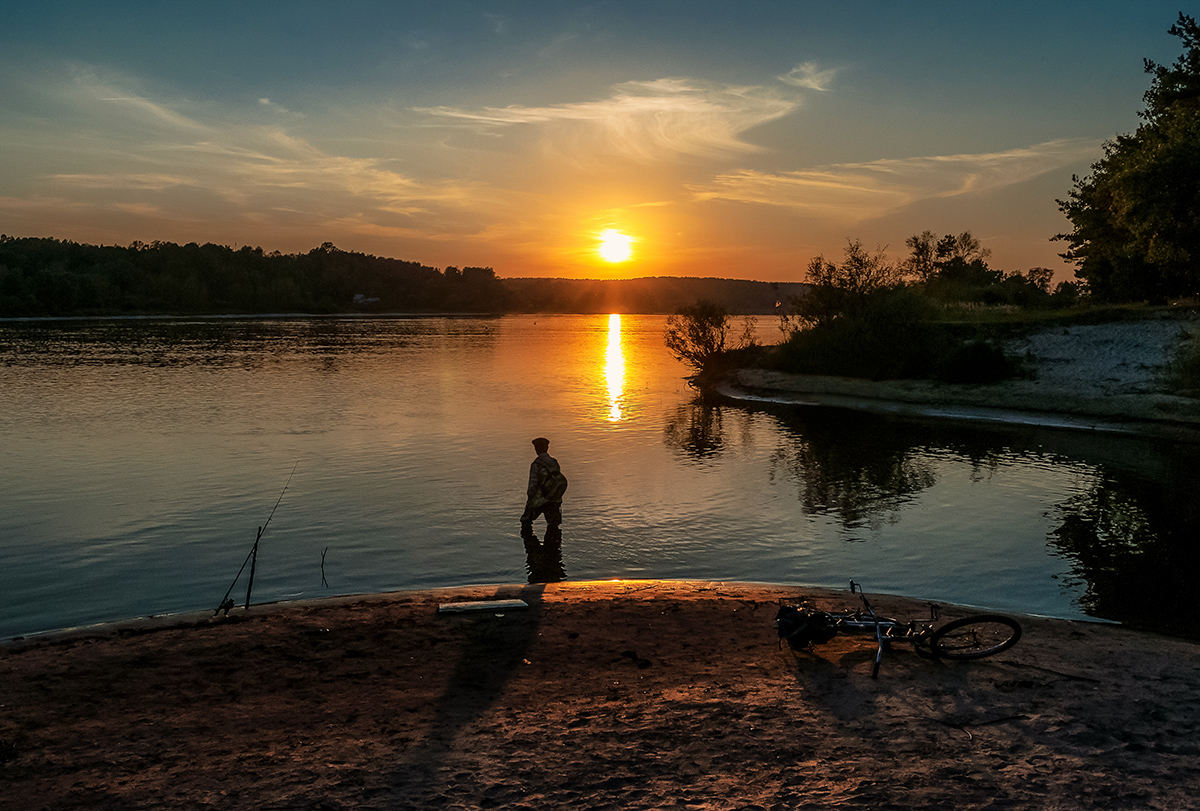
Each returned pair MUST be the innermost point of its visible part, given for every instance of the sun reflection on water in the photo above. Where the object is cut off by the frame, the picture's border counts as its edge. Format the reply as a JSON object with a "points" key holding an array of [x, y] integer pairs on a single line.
{"points": [[614, 368]]}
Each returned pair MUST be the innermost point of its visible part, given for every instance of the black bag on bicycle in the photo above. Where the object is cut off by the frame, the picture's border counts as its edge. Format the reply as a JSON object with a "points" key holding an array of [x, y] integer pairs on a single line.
{"points": [[802, 627]]}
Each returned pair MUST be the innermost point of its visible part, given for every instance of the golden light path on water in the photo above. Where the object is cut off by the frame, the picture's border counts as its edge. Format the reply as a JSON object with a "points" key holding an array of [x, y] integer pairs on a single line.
{"points": [[614, 368]]}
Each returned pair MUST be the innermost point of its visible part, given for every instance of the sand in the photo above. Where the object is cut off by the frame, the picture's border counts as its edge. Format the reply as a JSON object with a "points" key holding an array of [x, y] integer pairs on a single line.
{"points": [[613, 695]]}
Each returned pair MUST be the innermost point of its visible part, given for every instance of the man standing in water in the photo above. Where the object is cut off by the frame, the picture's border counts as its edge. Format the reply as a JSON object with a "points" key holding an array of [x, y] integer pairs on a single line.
{"points": [[545, 492]]}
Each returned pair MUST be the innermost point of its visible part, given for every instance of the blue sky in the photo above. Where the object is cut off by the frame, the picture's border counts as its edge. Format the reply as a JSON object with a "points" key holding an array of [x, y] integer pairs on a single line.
{"points": [[735, 140]]}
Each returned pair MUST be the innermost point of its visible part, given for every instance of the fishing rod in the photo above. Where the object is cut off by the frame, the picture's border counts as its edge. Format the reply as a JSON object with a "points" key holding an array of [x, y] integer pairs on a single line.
{"points": [[252, 556]]}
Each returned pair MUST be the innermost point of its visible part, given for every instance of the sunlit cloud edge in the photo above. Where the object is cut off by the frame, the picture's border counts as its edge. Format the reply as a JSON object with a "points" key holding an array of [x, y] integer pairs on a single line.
{"points": [[875, 188]]}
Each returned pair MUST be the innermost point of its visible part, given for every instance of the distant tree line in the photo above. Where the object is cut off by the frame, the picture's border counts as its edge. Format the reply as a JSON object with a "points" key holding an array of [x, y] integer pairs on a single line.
{"points": [[659, 294], [41, 276], [50, 277]]}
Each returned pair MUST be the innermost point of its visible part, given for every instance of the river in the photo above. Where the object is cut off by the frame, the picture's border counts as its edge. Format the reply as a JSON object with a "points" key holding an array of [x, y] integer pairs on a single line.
{"points": [[140, 457]]}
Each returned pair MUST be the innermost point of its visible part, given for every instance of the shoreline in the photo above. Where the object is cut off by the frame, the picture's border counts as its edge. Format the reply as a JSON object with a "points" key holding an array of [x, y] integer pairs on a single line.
{"points": [[602, 694], [204, 618], [754, 386]]}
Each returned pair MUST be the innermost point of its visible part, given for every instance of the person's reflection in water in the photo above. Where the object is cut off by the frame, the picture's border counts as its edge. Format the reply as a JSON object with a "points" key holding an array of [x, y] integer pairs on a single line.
{"points": [[544, 560]]}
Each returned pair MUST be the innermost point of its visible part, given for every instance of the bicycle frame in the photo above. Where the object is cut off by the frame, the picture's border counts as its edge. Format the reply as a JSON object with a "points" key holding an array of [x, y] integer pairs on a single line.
{"points": [[885, 629], [971, 637], [967, 637]]}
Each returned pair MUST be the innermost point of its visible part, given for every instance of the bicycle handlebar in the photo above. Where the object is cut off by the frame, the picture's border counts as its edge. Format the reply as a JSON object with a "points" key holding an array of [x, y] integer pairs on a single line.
{"points": [[856, 588]]}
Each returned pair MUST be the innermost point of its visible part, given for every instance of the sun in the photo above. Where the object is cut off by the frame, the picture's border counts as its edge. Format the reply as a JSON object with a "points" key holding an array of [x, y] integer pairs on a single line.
{"points": [[615, 246]]}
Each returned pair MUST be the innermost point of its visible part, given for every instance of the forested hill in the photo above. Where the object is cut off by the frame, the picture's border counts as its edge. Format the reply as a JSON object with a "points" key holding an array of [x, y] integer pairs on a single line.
{"points": [[659, 294], [49, 277]]}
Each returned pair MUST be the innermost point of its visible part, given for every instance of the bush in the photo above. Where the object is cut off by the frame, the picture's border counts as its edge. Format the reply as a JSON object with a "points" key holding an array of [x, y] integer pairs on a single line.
{"points": [[838, 291], [976, 362], [697, 332], [892, 336], [895, 336]]}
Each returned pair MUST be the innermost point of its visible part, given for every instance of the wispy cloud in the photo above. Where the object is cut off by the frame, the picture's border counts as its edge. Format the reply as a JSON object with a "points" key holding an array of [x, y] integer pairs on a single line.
{"points": [[559, 44], [860, 191], [152, 113], [128, 147], [642, 121], [279, 108], [99, 180], [809, 75], [144, 157], [134, 108], [141, 210], [497, 22], [266, 170]]}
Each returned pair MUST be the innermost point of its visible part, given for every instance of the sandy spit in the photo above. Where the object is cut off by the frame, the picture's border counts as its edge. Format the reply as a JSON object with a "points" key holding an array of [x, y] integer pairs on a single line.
{"points": [[602, 695], [1111, 376]]}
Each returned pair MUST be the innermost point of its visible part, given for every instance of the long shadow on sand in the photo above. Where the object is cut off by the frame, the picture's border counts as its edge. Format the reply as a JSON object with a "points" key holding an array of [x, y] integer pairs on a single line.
{"points": [[492, 646]]}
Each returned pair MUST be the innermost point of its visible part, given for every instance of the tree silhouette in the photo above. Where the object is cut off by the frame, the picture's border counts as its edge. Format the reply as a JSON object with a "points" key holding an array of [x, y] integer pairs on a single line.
{"points": [[1136, 218]]}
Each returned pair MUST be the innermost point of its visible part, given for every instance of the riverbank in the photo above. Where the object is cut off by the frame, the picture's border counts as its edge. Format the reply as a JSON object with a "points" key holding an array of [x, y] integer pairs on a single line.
{"points": [[1108, 376], [653, 694]]}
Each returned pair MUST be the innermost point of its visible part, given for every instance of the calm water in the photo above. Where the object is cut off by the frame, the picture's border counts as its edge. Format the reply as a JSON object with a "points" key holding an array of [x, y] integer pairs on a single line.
{"points": [[140, 457]]}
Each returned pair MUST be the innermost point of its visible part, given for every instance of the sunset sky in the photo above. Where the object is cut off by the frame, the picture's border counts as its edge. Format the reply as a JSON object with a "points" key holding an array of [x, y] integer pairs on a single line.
{"points": [[723, 139]]}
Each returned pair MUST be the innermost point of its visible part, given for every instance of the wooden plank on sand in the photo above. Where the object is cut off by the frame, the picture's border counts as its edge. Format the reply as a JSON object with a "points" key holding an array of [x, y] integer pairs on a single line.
{"points": [[482, 605]]}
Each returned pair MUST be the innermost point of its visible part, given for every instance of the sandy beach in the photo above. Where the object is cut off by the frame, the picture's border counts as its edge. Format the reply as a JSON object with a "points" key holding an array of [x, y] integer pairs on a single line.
{"points": [[654, 694]]}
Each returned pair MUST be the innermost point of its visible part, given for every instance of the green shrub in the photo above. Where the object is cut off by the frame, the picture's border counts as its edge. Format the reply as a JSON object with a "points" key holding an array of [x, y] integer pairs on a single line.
{"points": [[697, 332], [896, 336], [893, 336], [976, 362]]}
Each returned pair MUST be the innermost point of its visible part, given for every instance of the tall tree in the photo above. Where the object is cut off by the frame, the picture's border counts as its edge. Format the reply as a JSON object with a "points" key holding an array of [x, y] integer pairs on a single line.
{"points": [[931, 256], [1136, 218]]}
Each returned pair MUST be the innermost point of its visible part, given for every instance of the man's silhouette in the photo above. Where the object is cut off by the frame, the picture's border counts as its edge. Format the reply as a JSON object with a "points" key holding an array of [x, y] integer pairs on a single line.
{"points": [[544, 493]]}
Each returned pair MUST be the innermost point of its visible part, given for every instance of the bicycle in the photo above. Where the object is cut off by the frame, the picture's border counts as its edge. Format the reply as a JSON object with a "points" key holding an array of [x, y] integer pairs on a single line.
{"points": [[967, 638]]}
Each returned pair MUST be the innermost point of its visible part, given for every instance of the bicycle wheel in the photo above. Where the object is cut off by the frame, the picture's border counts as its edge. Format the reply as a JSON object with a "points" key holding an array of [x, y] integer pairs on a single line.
{"points": [[975, 637]]}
